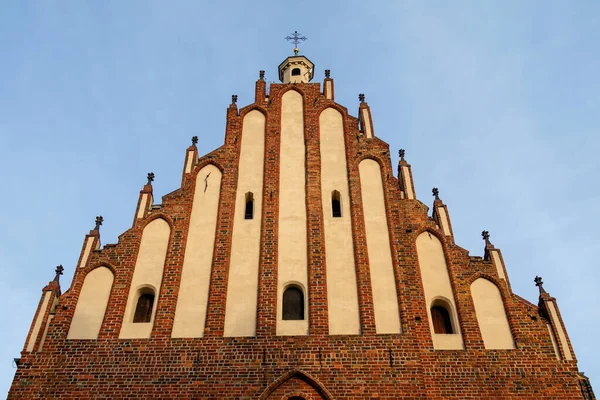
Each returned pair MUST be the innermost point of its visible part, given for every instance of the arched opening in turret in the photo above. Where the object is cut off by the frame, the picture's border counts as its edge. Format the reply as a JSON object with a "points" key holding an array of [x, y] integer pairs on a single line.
{"points": [[293, 303], [144, 306], [336, 204], [296, 72], [440, 317], [249, 211]]}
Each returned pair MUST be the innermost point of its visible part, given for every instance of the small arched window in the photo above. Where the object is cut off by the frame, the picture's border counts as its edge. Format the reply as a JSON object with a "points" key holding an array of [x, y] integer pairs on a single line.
{"points": [[336, 204], [441, 319], [144, 306], [296, 72], [293, 303], [249, 212]]}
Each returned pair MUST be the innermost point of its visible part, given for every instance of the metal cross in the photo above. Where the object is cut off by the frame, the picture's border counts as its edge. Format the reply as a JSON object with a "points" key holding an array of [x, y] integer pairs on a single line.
{"points": [[99, 221], [234, 98], [485, 235], [150, 178], [327, 73], [261, 74], [295, 38], [194, 139], [435, 192], [361, 97], [401, 153]]}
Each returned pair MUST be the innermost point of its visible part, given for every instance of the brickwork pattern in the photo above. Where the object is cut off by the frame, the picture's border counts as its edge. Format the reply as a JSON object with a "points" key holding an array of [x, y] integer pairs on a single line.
{"points": [[317, 366]]}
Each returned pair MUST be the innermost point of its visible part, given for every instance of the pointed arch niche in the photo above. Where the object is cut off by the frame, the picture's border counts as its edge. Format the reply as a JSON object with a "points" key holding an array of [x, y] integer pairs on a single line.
{"points": [[342, 292], [385, 296], [91, 305], [242, 286], [147, 274], [491, 316], [190, 312], [441, 308], [292, 246]]}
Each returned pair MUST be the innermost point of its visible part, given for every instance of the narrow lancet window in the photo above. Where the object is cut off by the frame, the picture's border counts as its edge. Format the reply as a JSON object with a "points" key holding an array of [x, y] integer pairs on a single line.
{"points": [[143, 309], [249, 214], [336, 204], [441, 320], [293, 304]]}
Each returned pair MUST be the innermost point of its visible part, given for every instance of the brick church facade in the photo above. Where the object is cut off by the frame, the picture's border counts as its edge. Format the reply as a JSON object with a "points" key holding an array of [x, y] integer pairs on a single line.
{"points": [[293, 263]]}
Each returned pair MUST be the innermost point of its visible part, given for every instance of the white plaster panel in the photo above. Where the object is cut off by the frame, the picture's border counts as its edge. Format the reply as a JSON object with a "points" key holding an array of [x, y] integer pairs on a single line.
{"points": [[444, 341], [38, 322], [385, 298], [443, 217], [366, 120], [148, 272], [407, 183], [342, 292], [554, 343], [189, 161], [436, 285], [491, 316], [143, 206], [498, 264], [190, 313], [91, 305], [43, 340], [292, 247], [242, 287], [562, 337], [328, 90], [86, 252]]}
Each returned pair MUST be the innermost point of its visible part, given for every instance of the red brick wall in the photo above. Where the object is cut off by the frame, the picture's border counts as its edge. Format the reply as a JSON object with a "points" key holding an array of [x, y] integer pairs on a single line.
{"points": [[340, 367]]}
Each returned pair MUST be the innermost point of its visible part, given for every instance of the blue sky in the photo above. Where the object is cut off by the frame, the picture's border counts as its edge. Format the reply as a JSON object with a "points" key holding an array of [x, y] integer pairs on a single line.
{"points": [[497, 103]]}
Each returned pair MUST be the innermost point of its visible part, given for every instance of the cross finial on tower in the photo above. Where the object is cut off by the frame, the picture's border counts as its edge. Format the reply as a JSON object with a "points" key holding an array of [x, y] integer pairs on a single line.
{"points": [[401, 154], [261, 74], [99, 221], [194, 139], [234, 98], [361, 97], [59, 271], [539, 283], [327, 73], [436, 193], [296, 38], [150, 178]]}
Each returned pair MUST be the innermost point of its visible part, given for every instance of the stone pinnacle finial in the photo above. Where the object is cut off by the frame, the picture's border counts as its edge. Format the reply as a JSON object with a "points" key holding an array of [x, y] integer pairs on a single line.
{"points": [[194, 140], [261, 74], [486, 236], [436, 193], [401, 153], [150, 178], [539, 283], [99, 221], [59, 271], [327, 73], [361, 97], [234, 98]]}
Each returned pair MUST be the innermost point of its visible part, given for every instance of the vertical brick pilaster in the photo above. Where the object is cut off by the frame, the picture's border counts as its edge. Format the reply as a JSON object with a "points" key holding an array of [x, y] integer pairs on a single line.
{"points": [[266, 321], [317, 269]]}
